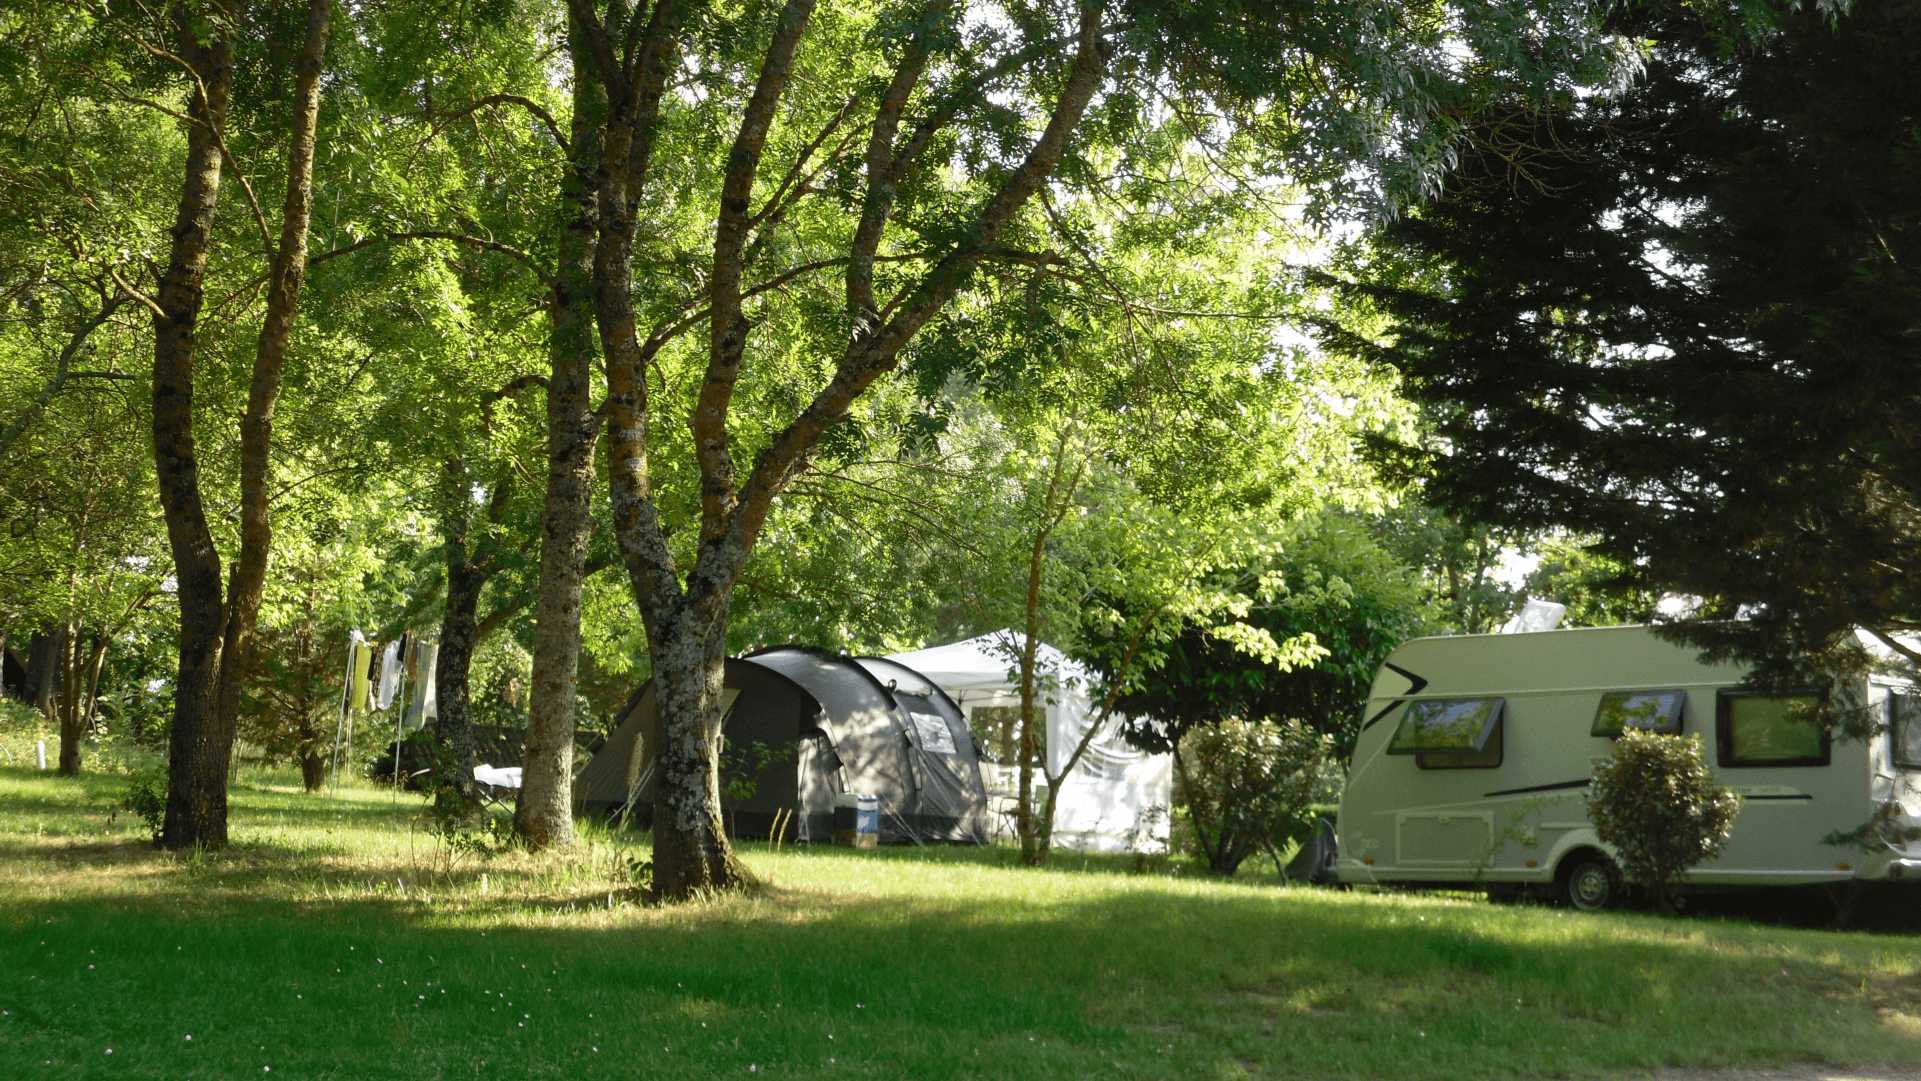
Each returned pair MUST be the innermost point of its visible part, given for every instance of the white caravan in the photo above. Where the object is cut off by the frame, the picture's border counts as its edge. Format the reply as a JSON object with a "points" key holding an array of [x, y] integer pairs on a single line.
{"points": [[1475, 752]]}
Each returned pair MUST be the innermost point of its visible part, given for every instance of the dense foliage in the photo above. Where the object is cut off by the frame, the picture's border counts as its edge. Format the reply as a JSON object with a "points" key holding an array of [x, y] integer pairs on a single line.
{"points": [[1659, 806], [1246, 786]]}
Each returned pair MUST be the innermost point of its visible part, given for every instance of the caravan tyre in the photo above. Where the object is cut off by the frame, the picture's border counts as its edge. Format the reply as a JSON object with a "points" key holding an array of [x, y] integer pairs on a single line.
{"points": [[1590, 882]]}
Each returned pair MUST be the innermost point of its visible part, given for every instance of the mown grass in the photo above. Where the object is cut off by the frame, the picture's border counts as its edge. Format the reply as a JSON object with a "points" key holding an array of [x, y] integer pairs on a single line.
{"points": [[338, 940]]}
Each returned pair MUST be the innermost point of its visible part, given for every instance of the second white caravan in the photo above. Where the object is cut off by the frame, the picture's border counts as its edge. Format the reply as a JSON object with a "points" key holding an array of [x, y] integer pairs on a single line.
{"points": [[1474, 756]]}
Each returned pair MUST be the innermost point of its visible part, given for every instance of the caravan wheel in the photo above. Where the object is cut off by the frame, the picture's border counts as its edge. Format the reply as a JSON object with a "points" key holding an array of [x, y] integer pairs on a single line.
{"points": [[1589, 882]]}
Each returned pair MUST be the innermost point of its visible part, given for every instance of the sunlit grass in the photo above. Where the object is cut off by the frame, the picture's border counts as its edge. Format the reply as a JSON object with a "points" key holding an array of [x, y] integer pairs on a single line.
{"points": [[339, 939]]}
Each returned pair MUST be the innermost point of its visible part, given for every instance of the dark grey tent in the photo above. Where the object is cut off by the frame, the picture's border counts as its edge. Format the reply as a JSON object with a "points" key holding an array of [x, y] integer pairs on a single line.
{"points": [[867, 726]]}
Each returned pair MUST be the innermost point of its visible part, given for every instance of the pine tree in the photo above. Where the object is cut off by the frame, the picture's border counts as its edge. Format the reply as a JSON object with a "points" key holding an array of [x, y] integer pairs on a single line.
{"points": [[1684, 319]]}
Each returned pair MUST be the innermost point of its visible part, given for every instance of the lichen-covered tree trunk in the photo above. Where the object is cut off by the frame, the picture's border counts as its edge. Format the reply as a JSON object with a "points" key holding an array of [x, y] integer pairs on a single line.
{"points": [[691, 850], [453, 667], [543, 815]]}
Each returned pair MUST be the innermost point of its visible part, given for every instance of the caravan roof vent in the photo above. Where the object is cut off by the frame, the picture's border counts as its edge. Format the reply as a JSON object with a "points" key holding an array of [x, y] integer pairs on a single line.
{"points": [[1535, 616]]}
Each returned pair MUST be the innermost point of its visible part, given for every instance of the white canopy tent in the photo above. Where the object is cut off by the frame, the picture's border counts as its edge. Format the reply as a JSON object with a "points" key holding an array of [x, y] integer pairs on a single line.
{"points": [[1104, 803]]}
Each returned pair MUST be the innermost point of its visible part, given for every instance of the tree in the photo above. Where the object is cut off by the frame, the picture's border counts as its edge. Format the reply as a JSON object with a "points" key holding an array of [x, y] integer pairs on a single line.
{"points": [[217, 622], [1679, 319], [1660, 808], [293, 698], [1322, 580], [1461, 561], [980, 94], [1598, 591]]}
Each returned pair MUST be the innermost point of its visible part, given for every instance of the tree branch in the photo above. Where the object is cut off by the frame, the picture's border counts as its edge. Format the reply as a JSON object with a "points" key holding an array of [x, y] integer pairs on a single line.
{"points": [[546, 118], [867, 358], [729, 327], [61, 373], [459, 238]]}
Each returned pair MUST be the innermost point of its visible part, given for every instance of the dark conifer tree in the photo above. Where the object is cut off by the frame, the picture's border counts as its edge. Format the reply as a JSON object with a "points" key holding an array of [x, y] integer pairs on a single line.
{"points": [[1687, 319]]}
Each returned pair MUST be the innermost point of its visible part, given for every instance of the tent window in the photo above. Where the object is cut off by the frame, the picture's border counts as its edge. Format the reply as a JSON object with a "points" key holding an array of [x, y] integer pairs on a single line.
{"points": [[1771, 729], [932, 732], [1449, 726], [1905, 728], [1655, 711]]}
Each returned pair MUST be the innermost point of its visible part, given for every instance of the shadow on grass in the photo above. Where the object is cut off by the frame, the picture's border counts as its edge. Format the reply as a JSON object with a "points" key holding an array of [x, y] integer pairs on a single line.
{"points": [[1157, 978]]}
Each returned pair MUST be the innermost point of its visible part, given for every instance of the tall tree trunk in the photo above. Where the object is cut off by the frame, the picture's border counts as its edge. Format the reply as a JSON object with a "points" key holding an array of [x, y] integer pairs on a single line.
{"points": [[216, 631], [543, 816], [197, 766], [1033, 745], [43, 672], [1036, 831]]}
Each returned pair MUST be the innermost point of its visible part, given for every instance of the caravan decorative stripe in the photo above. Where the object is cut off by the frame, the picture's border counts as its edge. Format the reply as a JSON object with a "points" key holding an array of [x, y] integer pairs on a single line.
{"points": [[1556, 787]]}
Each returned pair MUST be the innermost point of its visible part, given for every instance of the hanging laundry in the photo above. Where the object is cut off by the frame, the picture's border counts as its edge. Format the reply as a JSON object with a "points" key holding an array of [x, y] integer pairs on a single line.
{"points": [[360, 655], [424, 704], [390, 672]]}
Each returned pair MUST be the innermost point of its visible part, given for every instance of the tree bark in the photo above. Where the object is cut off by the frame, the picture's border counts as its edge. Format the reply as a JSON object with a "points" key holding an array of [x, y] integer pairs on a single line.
{"points": [[196, 767], [216, 626], [543, 815], [691, 851], [313, 770], [67, 703], [468, 570]]}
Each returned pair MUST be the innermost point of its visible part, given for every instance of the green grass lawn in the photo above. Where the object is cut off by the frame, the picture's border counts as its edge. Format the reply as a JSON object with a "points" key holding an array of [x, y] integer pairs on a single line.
{"points": [[337, 940]]}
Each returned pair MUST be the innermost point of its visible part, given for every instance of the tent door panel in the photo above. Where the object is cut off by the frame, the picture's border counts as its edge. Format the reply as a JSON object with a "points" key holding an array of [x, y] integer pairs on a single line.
{"points": [[821, 776]]}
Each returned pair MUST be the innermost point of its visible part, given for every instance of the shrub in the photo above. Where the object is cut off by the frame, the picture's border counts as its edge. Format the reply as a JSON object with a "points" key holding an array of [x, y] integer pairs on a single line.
{"points": [[1247, 786], [1660, 808], [147, 796]]}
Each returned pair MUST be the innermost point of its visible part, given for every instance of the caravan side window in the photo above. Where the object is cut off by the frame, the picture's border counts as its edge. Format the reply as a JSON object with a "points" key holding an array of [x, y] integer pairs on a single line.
{"points": [[1460, 733], [1904, 728], [1758, 729], [1656, 711]]}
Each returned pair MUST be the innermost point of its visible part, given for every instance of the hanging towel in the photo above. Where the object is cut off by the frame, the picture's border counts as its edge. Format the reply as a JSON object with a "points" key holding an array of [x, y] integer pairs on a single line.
{"points": [[360, 655], [424, 704], [390, 668]]}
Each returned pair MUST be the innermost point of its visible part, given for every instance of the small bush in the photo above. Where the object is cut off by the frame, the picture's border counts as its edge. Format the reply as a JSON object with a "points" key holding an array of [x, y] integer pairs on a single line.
{"points": [[147, 796], [1247, 786], [1660, 808]]}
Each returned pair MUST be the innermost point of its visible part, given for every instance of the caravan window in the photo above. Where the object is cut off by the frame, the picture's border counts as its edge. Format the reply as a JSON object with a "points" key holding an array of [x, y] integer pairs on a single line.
{"points": [[1656, 711], [1904, 717], [1755, 729], [1460, 733]]}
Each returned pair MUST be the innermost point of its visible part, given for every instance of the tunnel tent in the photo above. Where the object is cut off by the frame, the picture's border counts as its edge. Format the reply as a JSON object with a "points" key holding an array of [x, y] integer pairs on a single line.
{"points": [[910, 749], [846, 731], [940, 751]]}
